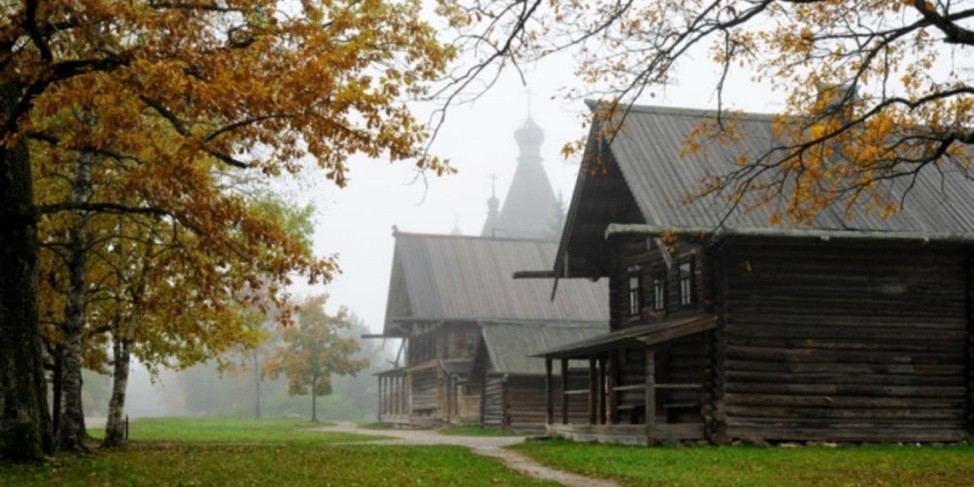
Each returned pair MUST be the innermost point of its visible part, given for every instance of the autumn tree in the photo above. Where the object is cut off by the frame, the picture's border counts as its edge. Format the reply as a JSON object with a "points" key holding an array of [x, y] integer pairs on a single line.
{"points": [[253, 84], [877, 92], [313, 350]]}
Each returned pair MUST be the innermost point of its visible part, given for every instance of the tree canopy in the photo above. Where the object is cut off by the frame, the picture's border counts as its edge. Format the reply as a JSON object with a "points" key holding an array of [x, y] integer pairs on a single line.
{"points": [[176, 92], [313, 350], [875, 91]]}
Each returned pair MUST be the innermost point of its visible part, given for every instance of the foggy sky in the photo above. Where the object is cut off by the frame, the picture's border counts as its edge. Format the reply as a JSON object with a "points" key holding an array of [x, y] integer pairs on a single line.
{"points": [[356, 222]]}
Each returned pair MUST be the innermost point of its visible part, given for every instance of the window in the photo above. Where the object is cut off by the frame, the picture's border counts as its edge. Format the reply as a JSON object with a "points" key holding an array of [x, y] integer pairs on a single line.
{"points": [[659, 292], [686, 284], [635, 304]]}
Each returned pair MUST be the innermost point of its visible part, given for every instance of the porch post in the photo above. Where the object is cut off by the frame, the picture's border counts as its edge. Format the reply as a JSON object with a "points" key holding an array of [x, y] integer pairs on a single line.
{"points": [[600, 397], [650, 396], [613, 382], [592, 390], [549, 411], [564, 391], [378, 412]]}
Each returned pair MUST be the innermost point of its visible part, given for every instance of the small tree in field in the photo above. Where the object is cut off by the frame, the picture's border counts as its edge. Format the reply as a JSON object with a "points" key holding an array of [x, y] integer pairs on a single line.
{"points": [[312, 350]]}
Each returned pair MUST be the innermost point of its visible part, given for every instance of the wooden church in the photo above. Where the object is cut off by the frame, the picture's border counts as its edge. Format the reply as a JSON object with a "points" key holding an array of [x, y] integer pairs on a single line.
{"points": [[467, 328], [852, 330]]}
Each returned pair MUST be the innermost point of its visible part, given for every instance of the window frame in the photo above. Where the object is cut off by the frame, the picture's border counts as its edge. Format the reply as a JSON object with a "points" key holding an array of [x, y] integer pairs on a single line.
{"points": [[686, 284], [634, 295], [659, 291]]}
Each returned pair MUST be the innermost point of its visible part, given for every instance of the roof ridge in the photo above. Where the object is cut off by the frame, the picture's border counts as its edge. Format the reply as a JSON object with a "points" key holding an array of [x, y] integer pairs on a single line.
{"points": [[399, 233], [687, 111]]}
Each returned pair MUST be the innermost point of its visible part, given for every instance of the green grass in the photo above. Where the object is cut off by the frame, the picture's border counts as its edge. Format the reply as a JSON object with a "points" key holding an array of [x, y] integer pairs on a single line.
{"points": [[217, 452], [233, 430], [473, 430], [750, 466]]}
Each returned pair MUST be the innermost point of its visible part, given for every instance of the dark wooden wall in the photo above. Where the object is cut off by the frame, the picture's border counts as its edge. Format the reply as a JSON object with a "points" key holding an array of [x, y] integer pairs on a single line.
{"points": [[842, 342], [645, 255], [520, 399], [427, 393]]}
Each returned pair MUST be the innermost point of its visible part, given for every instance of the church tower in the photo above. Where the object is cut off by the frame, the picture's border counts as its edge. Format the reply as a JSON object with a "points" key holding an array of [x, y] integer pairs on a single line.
{"points": [[530, 208]]}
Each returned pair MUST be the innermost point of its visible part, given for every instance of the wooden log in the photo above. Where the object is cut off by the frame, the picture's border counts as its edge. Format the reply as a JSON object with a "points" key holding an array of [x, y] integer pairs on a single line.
{"points": [[549, 392], [564, 388], [592, 390], [650, 396], [882, 435], [600, 387], [829, 412], [612, 380], [782, 400]]}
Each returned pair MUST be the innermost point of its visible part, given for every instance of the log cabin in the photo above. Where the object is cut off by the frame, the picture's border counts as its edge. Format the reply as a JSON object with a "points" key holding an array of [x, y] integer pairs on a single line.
{"points": [[511, 381], [445, 291], [855, 329]]}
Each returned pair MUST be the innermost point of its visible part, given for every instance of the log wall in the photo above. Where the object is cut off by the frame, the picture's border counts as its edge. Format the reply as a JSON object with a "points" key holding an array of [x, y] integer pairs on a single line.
{"points": [[841, 342], [520, 400], [643, 257]]}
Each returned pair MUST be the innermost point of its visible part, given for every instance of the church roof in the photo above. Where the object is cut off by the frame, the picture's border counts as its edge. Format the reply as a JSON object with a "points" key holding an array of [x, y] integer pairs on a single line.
{"points": [[530, 209]]}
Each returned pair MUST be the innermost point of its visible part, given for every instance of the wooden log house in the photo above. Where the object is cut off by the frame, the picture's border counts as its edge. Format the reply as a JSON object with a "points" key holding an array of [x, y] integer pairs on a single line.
{"points": [[511, 382], [856, 329], [444, 291]]}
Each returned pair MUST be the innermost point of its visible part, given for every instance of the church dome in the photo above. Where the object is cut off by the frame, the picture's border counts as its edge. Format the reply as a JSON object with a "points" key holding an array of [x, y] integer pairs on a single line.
{"points": [[529, 133]]}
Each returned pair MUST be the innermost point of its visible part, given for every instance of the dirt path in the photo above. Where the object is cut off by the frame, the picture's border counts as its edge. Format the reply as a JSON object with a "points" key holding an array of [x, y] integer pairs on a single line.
{"points": [[489, 446]]}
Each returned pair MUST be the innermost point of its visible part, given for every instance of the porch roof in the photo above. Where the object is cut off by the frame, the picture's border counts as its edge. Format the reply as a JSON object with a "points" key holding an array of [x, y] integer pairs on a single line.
{"points": [[651, 334]]}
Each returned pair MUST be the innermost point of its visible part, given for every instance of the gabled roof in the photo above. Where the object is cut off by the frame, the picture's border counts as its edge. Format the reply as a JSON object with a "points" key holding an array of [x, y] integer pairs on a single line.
{"points": [[447, 277], [510, 345], [645, 175]]}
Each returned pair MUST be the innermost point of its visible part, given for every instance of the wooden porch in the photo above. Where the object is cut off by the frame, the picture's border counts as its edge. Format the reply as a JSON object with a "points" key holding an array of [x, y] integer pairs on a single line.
{"points": [[394, 397], [666, 411]]}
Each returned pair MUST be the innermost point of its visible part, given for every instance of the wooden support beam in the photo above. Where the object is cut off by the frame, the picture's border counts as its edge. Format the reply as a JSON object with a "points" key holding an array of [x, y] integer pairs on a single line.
{"points": [[601, 390], [612, 381], [592, 390], [564, 390], [650, 393], [379, 411], [549, 389]]}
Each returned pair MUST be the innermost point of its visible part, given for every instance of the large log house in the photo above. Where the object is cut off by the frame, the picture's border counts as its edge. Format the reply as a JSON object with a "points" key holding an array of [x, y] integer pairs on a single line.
{"points": [[854, 330]]}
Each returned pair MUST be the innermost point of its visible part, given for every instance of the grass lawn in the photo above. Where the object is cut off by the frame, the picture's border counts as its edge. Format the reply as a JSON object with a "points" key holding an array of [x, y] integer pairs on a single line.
{"points": [[751, 466], [473, 430], [250, 452]]}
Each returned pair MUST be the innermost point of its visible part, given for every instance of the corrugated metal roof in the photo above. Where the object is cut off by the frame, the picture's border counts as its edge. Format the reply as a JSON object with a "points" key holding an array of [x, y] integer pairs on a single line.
{"points": [[462, 277], [511, 344], [648, 153]]}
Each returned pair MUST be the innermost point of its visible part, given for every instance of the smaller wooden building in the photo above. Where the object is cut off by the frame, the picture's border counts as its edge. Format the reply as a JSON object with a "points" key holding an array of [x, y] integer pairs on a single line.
{"points": [[856, 329], [512, 382], [445, 291]]}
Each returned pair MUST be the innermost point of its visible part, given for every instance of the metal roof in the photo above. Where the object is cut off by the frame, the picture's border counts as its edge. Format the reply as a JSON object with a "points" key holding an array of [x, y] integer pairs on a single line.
{"points": [[510, 345], [449, 277], [650, 334], [648, 152], [643, 176]]}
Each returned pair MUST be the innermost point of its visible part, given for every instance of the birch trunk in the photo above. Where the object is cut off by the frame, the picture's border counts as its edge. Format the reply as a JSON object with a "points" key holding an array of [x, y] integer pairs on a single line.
{"points": [[71, 428], [115, 426]]}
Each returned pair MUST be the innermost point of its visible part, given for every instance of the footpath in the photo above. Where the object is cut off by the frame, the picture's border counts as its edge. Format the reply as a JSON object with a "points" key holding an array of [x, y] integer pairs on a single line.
{"points": [[488, 446]]}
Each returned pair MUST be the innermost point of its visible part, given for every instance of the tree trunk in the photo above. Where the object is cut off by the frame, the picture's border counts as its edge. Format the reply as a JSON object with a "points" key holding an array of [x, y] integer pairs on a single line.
{"points": [[71, 428], [25, 424], [314, 398], [256, 384], [115, 425]]}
